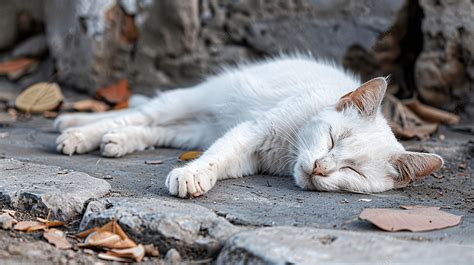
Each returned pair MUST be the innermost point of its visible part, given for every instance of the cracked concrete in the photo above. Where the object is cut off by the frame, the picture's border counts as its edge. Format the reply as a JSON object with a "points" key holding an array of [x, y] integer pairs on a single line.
{"points": [[193, 230], [141, 203], [38, 188]]}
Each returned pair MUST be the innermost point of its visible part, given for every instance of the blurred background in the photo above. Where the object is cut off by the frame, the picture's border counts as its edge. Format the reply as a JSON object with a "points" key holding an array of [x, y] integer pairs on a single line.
{"points": [[427, 46]]}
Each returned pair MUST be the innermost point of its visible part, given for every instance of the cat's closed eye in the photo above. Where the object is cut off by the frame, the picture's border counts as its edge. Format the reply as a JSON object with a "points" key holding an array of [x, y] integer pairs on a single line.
{"points": [[333, 143]]}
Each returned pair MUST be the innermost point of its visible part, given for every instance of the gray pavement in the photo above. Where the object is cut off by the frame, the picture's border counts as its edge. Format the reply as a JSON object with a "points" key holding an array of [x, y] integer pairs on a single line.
{"points": [[253, 202]]}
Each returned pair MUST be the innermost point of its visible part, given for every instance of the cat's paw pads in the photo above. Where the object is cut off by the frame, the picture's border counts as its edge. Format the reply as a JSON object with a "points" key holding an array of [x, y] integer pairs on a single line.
{"points": [[113, 144], [65, 121], [185, 182], [73, 142]]}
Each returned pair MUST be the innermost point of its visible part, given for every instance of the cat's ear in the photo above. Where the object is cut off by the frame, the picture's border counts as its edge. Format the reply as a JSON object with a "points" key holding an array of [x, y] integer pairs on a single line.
{"points": [[413, 165], [366, 99]]}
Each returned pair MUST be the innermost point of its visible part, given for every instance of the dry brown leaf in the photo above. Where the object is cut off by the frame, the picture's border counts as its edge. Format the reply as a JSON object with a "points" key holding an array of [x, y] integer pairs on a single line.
{"points": [[136, 253], [57, 238], [110, 235], [40, 97], [190, 155], [415, 219], [431, 114], [88, 105], [116, 93], [50, 114], [12, 213], [104, 239], [121, 105], [49, 223], [17, 67], [29, 226], [404, 122], [84, 234], [106, 256]]}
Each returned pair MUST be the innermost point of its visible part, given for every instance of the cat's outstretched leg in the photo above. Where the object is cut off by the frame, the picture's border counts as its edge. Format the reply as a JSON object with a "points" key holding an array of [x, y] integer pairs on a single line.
{"points": [[65, 121], [231, 156], [125, 140], [169, 108], [69, 120]]}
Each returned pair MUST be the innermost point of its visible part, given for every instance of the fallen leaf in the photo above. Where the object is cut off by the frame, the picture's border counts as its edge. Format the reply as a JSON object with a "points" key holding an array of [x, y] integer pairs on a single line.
{"points": [[110, 235], [116, 93], [29, 226], [49, 223], [88, 105], [84, 234], [57, 238], [101, 239], [40, 97], [17, 67], [136, 253], [106, 256], [404, 122], [50, 114], [416, 219], [12, 213], [154, 162], [186, 156], [431, 114], [121, 105]]}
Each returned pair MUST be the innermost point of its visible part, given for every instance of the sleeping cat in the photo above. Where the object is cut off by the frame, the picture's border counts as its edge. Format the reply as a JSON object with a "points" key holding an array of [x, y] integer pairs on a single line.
{"points": [[291, 115]]}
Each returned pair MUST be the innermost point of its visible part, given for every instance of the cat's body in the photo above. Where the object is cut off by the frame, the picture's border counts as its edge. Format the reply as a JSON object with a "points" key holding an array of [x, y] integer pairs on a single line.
{"points": [[287, 116]]}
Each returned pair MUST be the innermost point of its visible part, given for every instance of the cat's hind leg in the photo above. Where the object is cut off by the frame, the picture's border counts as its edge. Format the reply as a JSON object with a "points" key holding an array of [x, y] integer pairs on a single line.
{"points": [[65, 121], [125, 140], [170, 108]]}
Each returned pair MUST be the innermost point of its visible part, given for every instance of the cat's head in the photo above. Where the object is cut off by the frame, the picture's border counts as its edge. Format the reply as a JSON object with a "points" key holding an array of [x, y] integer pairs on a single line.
{"points": [[350, 147]]}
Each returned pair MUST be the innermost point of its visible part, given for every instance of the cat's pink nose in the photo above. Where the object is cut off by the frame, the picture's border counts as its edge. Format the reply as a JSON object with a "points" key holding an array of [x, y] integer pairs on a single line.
{"points": [[318, 170]]}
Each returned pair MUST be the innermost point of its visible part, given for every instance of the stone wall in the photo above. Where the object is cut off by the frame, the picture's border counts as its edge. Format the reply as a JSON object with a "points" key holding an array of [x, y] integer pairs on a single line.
{"points": [[178, 42], [425, 45]]}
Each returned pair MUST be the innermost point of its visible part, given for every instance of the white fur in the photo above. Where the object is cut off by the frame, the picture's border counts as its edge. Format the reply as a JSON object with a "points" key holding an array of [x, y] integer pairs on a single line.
{"points": [[270, 117]]}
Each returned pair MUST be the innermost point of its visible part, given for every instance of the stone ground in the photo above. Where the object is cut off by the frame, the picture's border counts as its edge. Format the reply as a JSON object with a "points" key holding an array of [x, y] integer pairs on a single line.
{"points": [[258, 219]]}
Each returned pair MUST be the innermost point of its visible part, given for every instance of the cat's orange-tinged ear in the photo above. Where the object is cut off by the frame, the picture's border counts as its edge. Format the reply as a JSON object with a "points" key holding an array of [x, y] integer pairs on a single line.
{"points": [[367, 98], [413, 165]]}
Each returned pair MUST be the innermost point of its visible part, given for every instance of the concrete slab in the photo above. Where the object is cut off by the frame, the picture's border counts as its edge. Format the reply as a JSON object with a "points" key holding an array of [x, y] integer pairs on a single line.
{"points": [[298, 245], [195, 231], [39, 188], [263, 200]]}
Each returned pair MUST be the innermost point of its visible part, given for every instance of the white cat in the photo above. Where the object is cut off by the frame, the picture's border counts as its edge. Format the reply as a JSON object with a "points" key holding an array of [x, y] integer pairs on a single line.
{"points": [[292, 115]]}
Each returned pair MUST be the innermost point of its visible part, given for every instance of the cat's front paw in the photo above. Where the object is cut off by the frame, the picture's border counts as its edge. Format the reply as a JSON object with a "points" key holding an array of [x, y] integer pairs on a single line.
{"points": [[185, 182], [73, 141], [114, 144]]}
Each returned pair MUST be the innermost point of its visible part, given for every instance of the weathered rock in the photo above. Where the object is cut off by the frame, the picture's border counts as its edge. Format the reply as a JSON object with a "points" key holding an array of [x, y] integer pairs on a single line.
{"points": [[38, 188], [445, 68], [34, 46], [303, 245], [173, 257], [194, 231], [179, 41], [19, 19]]}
